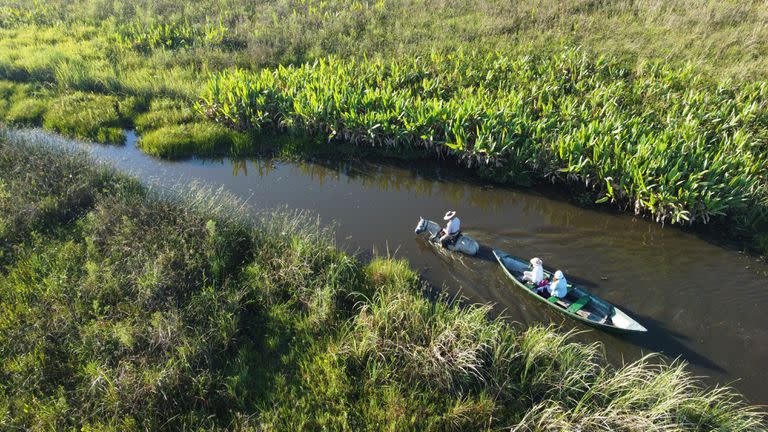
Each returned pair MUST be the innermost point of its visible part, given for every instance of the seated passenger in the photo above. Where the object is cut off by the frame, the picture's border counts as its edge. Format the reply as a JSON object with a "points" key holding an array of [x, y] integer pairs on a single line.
{"points": [[559, 286], [536, 275]]}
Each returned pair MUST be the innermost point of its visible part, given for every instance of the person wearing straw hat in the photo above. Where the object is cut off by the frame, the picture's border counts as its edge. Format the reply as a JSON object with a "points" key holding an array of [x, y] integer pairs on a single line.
{"points": [[536, 275], [452, 229]]}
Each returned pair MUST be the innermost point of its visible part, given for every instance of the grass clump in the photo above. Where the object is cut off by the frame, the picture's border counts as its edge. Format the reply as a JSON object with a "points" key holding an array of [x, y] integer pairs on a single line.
{"points": [[10, 92], [183, 140], [40, 191], [131, 309], [166, 112], [438, 344], [27, 111], [91, 116]]}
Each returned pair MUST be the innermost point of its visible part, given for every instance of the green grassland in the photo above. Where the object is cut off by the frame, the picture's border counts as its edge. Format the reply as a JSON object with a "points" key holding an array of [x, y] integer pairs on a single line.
{"points": [[656, 107], [130, 309]]}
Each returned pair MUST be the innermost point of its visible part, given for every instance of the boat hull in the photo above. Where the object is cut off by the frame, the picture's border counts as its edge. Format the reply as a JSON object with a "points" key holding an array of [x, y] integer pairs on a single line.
{"points": [[593, 311]]}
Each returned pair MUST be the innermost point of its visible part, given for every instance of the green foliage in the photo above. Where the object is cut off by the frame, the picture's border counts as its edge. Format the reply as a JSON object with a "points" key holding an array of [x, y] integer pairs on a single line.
{"points": [[82, 58], [170, 35], [26, 13], [183, 140], [40, 191], [27, 112], [165, 112], [659, 140], [124, 309], [724, 39], [19, 105], [91, 116]]}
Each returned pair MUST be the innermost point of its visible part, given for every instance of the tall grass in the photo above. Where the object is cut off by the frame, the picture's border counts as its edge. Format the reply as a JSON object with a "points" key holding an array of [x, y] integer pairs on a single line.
{"points": [[724, 39], [131, 309], [41, 192], [659, 140]]}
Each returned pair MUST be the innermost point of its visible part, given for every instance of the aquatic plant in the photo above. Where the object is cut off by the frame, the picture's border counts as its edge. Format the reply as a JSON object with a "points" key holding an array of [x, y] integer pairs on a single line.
{"points": [[171, 35], [659, 140], [26, 13]]}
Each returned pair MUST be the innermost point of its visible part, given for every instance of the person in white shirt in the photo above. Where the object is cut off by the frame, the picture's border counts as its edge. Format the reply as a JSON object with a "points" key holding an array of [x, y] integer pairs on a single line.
{"points": [[452, 228], [536, 274]]}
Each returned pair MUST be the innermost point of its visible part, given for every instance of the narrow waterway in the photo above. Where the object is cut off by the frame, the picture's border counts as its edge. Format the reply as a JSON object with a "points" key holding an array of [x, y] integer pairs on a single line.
{"points": [[700, 302]]}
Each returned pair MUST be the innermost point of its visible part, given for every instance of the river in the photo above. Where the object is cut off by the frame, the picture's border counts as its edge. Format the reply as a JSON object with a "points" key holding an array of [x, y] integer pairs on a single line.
{"points": [[699, 301]]}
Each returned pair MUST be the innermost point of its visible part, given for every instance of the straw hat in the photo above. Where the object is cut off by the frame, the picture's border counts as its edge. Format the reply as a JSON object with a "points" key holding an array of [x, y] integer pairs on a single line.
{"points": [[449, 215], [536, 261]]}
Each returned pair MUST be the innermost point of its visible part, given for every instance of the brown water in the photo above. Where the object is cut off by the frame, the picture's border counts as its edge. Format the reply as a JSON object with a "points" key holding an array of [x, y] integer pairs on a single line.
{"points": [[700, 302]]}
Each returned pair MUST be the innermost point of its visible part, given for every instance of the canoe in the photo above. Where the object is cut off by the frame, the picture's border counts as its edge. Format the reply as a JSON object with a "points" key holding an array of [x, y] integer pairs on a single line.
{"points": [[577, 304]]}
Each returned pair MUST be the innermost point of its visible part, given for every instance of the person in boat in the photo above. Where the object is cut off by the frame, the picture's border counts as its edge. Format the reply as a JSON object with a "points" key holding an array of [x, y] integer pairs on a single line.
{"points": [[452, 229], [558, 287], [536, 274]]}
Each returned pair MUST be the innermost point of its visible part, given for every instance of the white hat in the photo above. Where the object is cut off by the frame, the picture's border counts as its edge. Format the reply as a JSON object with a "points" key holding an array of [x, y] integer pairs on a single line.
{"points": [[559, 275], [449, 215], [536, 261]]}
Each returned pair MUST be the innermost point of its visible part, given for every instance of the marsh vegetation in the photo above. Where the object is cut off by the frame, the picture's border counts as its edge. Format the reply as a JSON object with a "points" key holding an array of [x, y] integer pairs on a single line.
{"points": [[131, 309], [626, 99]]}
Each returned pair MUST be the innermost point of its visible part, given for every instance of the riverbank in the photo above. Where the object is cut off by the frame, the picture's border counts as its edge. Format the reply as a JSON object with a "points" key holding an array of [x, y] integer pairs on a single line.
{"points": [[667, 142], [172, 310]]}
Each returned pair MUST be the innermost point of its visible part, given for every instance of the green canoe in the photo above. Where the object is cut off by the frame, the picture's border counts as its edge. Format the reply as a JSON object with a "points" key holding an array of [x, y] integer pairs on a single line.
{"points": [[578, 304]]}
